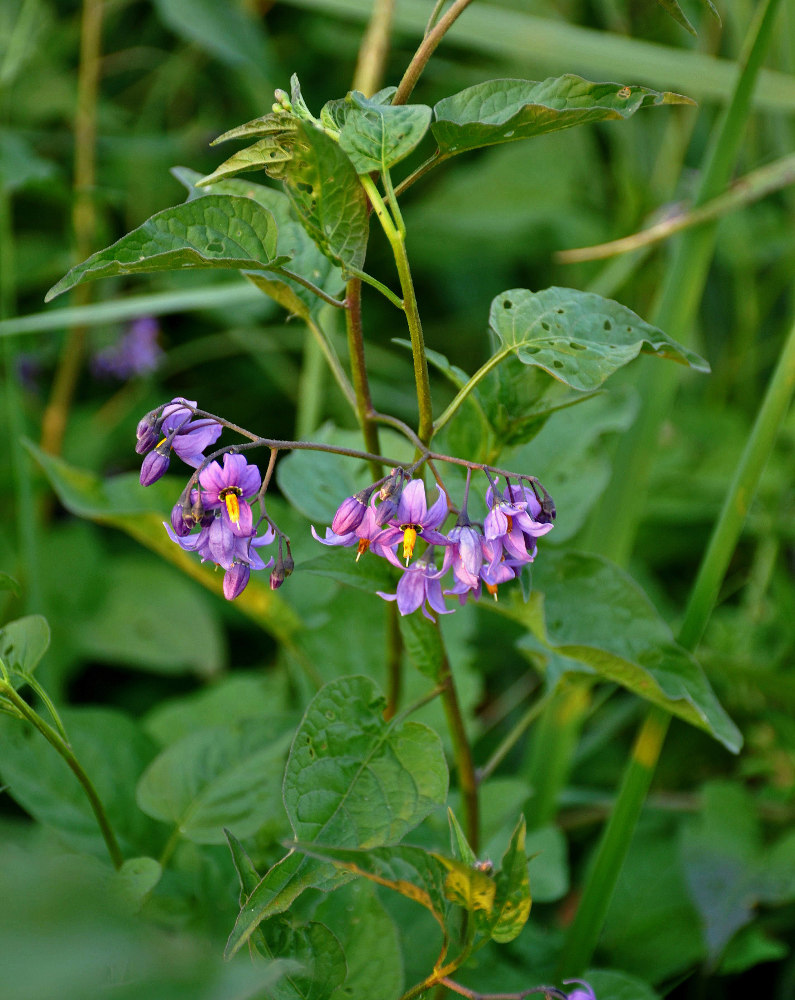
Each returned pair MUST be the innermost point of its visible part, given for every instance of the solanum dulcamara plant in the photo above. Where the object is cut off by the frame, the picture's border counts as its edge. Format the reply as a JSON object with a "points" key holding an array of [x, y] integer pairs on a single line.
{"points": [[428, 530]]}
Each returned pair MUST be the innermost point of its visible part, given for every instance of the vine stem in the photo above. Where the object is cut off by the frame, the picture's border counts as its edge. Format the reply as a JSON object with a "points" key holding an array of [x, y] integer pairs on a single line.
{"points": [[64, 749], [426, 49], [465, 767], [397, 241], [614, 845]]}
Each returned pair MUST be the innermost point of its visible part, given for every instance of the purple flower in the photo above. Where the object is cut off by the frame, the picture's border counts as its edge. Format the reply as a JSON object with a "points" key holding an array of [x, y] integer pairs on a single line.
{"points": [[584, 994], [511, 521], [216, 542], [465, 554], [413, 517], [135, 353], [367, 535], [229, 488], [419, 583], [350, 512], [174, 429]]}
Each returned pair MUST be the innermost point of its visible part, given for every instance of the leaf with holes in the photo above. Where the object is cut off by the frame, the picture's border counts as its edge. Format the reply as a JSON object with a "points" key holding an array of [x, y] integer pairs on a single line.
{"points": [[292, 241], [213, 232], [377, 136], [327, 196], [352, 780], [577, 337], [506, 110], [616, 632]]}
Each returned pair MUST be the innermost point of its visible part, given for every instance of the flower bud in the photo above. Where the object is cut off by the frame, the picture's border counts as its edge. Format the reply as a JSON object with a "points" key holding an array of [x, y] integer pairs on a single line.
{"points": [[146, 434], [235, 580], [154, 466], [350, 513], [181, 524]]}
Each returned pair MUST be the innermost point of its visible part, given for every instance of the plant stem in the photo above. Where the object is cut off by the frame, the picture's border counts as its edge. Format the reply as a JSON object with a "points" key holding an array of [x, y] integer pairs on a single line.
{"points": [[311, 286], [398, 244], [615, 522], [63, 748], [511, 739], [361, 384], [394, 661], [426, 49], [465, 767], [614, 845]]}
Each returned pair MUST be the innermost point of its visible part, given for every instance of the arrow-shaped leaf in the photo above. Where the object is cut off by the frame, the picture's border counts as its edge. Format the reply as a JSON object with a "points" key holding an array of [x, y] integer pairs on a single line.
{"points": [[506, 110], [218, 231]]}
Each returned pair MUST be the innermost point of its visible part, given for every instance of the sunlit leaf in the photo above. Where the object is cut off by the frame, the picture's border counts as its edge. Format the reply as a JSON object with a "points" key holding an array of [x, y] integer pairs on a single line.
{"points": [[588, 609], [512, 899], [262, 154], [423, 644], [376, 136], [506, 110], [213, 232], [578, 337], [672, 7]]}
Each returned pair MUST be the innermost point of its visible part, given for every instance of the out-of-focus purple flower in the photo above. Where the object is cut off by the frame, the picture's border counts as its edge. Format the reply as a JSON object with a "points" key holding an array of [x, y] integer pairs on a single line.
{"points": [[586, 993], [414, 518], [367, 535], [419, 583], [230, 488], [136, 352]]}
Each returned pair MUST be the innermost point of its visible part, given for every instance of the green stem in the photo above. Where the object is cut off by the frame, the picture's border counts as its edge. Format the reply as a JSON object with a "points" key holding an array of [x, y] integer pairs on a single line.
{"points": [[398, 244], [614, 526], [465, 390], [332, 360], [368, 279], [361, 384], [510, 741], [394, 661], [310, 286], [587, 925], [465, 768], [310, 390], [615, 842], [426, 49], [63, 748], [374, 48]]}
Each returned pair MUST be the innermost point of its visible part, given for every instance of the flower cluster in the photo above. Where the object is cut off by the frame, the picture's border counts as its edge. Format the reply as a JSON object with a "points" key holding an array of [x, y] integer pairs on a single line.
{"points": [[479, 555], [218, 505]]}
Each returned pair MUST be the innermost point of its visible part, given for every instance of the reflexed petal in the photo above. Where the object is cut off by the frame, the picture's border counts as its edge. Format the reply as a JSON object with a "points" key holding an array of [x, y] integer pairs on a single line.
{"points": [[437, 513], [410, 591], [221, 543], [236, 580], [333, 539]]}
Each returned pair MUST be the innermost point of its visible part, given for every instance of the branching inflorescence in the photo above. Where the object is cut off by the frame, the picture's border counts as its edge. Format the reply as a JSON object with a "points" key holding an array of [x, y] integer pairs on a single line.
{"points": [[389, 515]]}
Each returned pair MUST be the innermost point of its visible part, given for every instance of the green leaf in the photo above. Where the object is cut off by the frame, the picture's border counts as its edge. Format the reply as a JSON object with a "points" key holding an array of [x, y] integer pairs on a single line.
{"points": [[22, 644], [458, 841], [123, 503], [412, 872], [230, 32], [112, 750], [588, 609], [512, 899], [215, 778], [672, 7], [578, 337], [609, 984], [506, 110], [369, 938], [351, 779], [244, 866], [8, 582], [423, 644], [376, 136], [263, 154], [293, 241], [123, 629], [322, 965], [135, 880], [265, 125], [327, 196], [214, 232]]}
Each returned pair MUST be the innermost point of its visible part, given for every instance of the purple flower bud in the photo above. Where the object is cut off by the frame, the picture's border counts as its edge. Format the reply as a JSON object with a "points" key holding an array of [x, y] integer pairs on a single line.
{"points": [[350, 513], [278, 576], [182, 526], [146, 434], [153, 467], [236, 580], [584, 994]]}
